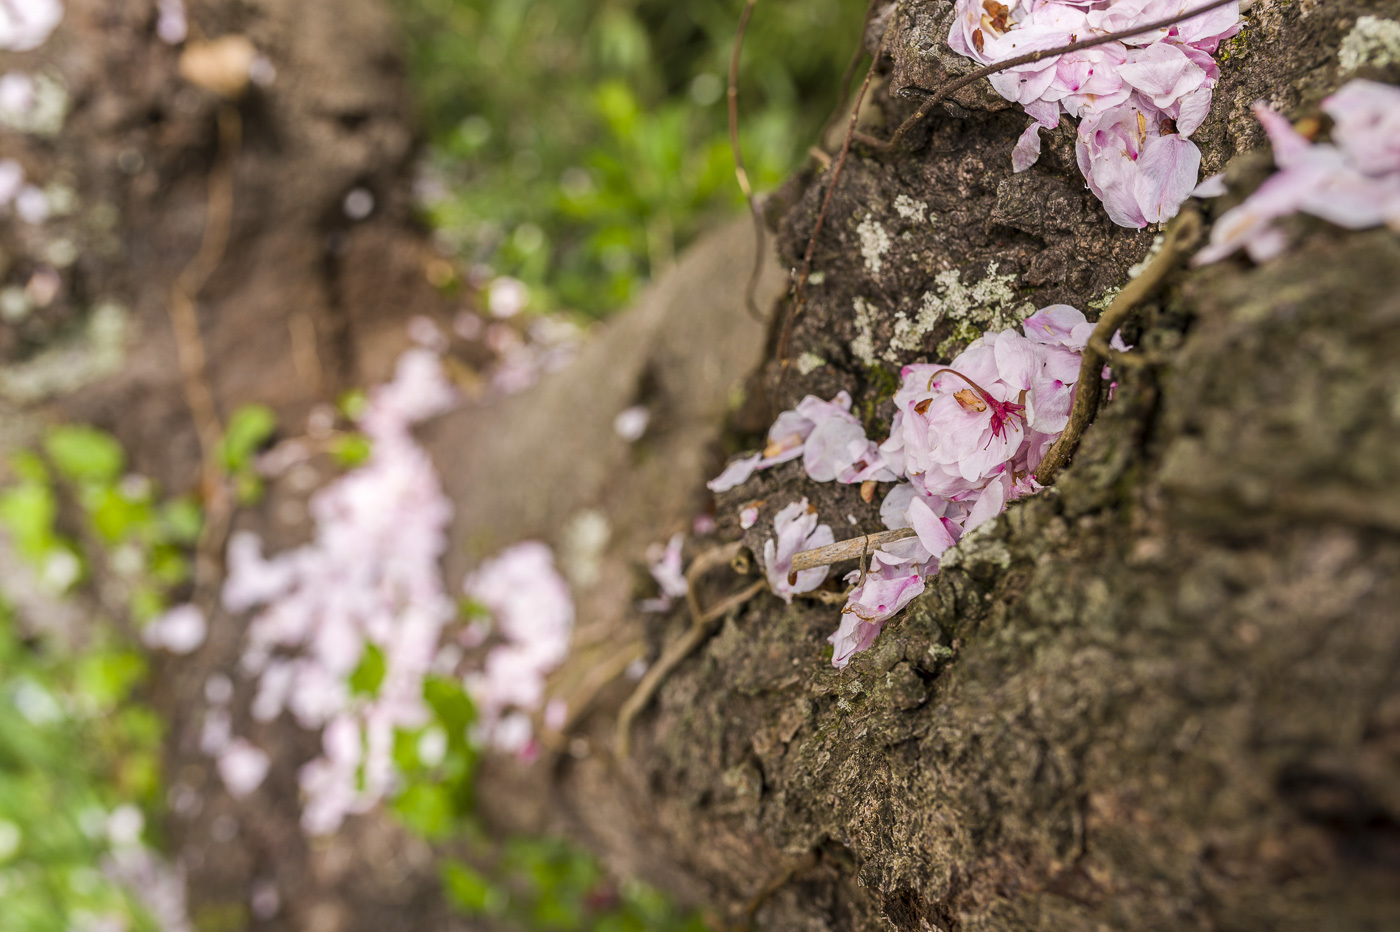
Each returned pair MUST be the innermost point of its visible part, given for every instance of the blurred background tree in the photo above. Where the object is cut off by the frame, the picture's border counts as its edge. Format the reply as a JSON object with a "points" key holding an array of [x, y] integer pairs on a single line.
{"points": [[577, 145]]}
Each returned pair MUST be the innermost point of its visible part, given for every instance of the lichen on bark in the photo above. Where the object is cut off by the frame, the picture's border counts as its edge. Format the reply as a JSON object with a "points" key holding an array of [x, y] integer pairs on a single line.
{"points": [[1163, 693]]}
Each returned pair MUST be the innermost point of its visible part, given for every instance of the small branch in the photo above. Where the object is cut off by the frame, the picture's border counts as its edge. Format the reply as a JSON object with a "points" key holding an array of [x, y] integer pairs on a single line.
{"points": [[799, 294], [189, 347], [852, 549], [846, 80], [750, 301], [1181, 239], [579, 700], [952, 87], [701, 628]]}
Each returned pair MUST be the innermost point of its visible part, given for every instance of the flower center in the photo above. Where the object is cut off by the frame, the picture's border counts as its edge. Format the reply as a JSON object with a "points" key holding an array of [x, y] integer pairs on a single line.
{"points": [[1002, 411]]}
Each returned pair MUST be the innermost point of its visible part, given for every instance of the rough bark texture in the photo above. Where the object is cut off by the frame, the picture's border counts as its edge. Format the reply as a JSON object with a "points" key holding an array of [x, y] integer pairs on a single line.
{"points": [[1164, 694], [1161, 695]]}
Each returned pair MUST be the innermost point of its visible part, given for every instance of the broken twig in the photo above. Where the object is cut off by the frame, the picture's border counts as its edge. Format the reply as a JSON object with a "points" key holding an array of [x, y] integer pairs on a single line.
{"points": [[750, 303], [675, 654], [933, 98], [851, 549], [1180, 239]]}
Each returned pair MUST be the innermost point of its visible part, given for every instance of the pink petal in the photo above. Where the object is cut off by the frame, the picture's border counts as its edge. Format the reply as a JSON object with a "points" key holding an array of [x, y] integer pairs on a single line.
{"points": [[1167, 171], [735, 474]]}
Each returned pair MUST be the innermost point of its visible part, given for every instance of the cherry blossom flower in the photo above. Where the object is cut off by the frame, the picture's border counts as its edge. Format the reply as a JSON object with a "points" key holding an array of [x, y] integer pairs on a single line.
{"points": [[631, 423], [1141, 172], [968, 437], [180, 630], [797, 530], [534, 615], [172, 26], [1138, 99], [827, 437], [369, 577], [891, 583], [1353, 182], [11, 181], [243, 767]]}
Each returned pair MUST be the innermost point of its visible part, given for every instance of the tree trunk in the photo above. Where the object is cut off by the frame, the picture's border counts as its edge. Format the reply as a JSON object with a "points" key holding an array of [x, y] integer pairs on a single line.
{"points": [[1164, 693]]}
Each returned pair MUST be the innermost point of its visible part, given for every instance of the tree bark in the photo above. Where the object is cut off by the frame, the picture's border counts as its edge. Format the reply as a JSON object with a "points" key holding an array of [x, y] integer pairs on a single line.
{"points": [[1165, 693]]}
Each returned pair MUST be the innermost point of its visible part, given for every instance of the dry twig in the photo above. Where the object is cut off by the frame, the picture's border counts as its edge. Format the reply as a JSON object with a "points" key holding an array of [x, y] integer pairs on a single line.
{"points": [[850, 549], [800, 290], [702, 626], [775, 883], [750, 302], [1181, 238], [935, 97], [189, 346]]}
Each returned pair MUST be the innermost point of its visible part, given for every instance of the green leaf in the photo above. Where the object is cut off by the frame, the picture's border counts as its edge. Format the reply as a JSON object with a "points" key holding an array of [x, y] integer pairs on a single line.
{"points": [[168, 566], [29, 467], [84, 454], [183, 520], [107, 678], [350, 450], [369, 675], [352, 404], [146, 602], [452, 706], [472, 610], [248, 429], [115, 517], [425, 808], [471, 891], [247, 487], [28, 512]]}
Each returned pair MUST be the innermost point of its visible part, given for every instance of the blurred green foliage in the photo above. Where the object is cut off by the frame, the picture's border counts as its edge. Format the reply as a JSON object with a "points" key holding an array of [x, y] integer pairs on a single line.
{"points": [[142, 539], [75, 743], [74, 746], [533, 884], [578, 145], [249, 428], [546, 884]]}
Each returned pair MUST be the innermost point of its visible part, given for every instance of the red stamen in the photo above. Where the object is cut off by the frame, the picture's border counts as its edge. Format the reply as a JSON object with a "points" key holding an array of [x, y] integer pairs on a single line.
{"points": [[1002, 411]]}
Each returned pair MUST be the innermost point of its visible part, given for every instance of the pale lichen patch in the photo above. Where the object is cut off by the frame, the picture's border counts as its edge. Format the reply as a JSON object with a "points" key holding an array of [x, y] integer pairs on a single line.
{"points": [[96, 352], [874, 243], [808, 362], [863, 346], [1372, 41], [585, 539], [45, 113], [984, 545], [988, 306], [910, 209]]}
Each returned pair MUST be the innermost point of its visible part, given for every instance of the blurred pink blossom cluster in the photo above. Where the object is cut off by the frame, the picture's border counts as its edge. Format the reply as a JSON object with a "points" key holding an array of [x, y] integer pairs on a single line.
{"points": [[26, 24], [1137, 99], [665, 566], [966, 438], [368, 579], [534, 617], [1354, 181], [524, 354], [27, 200]]}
